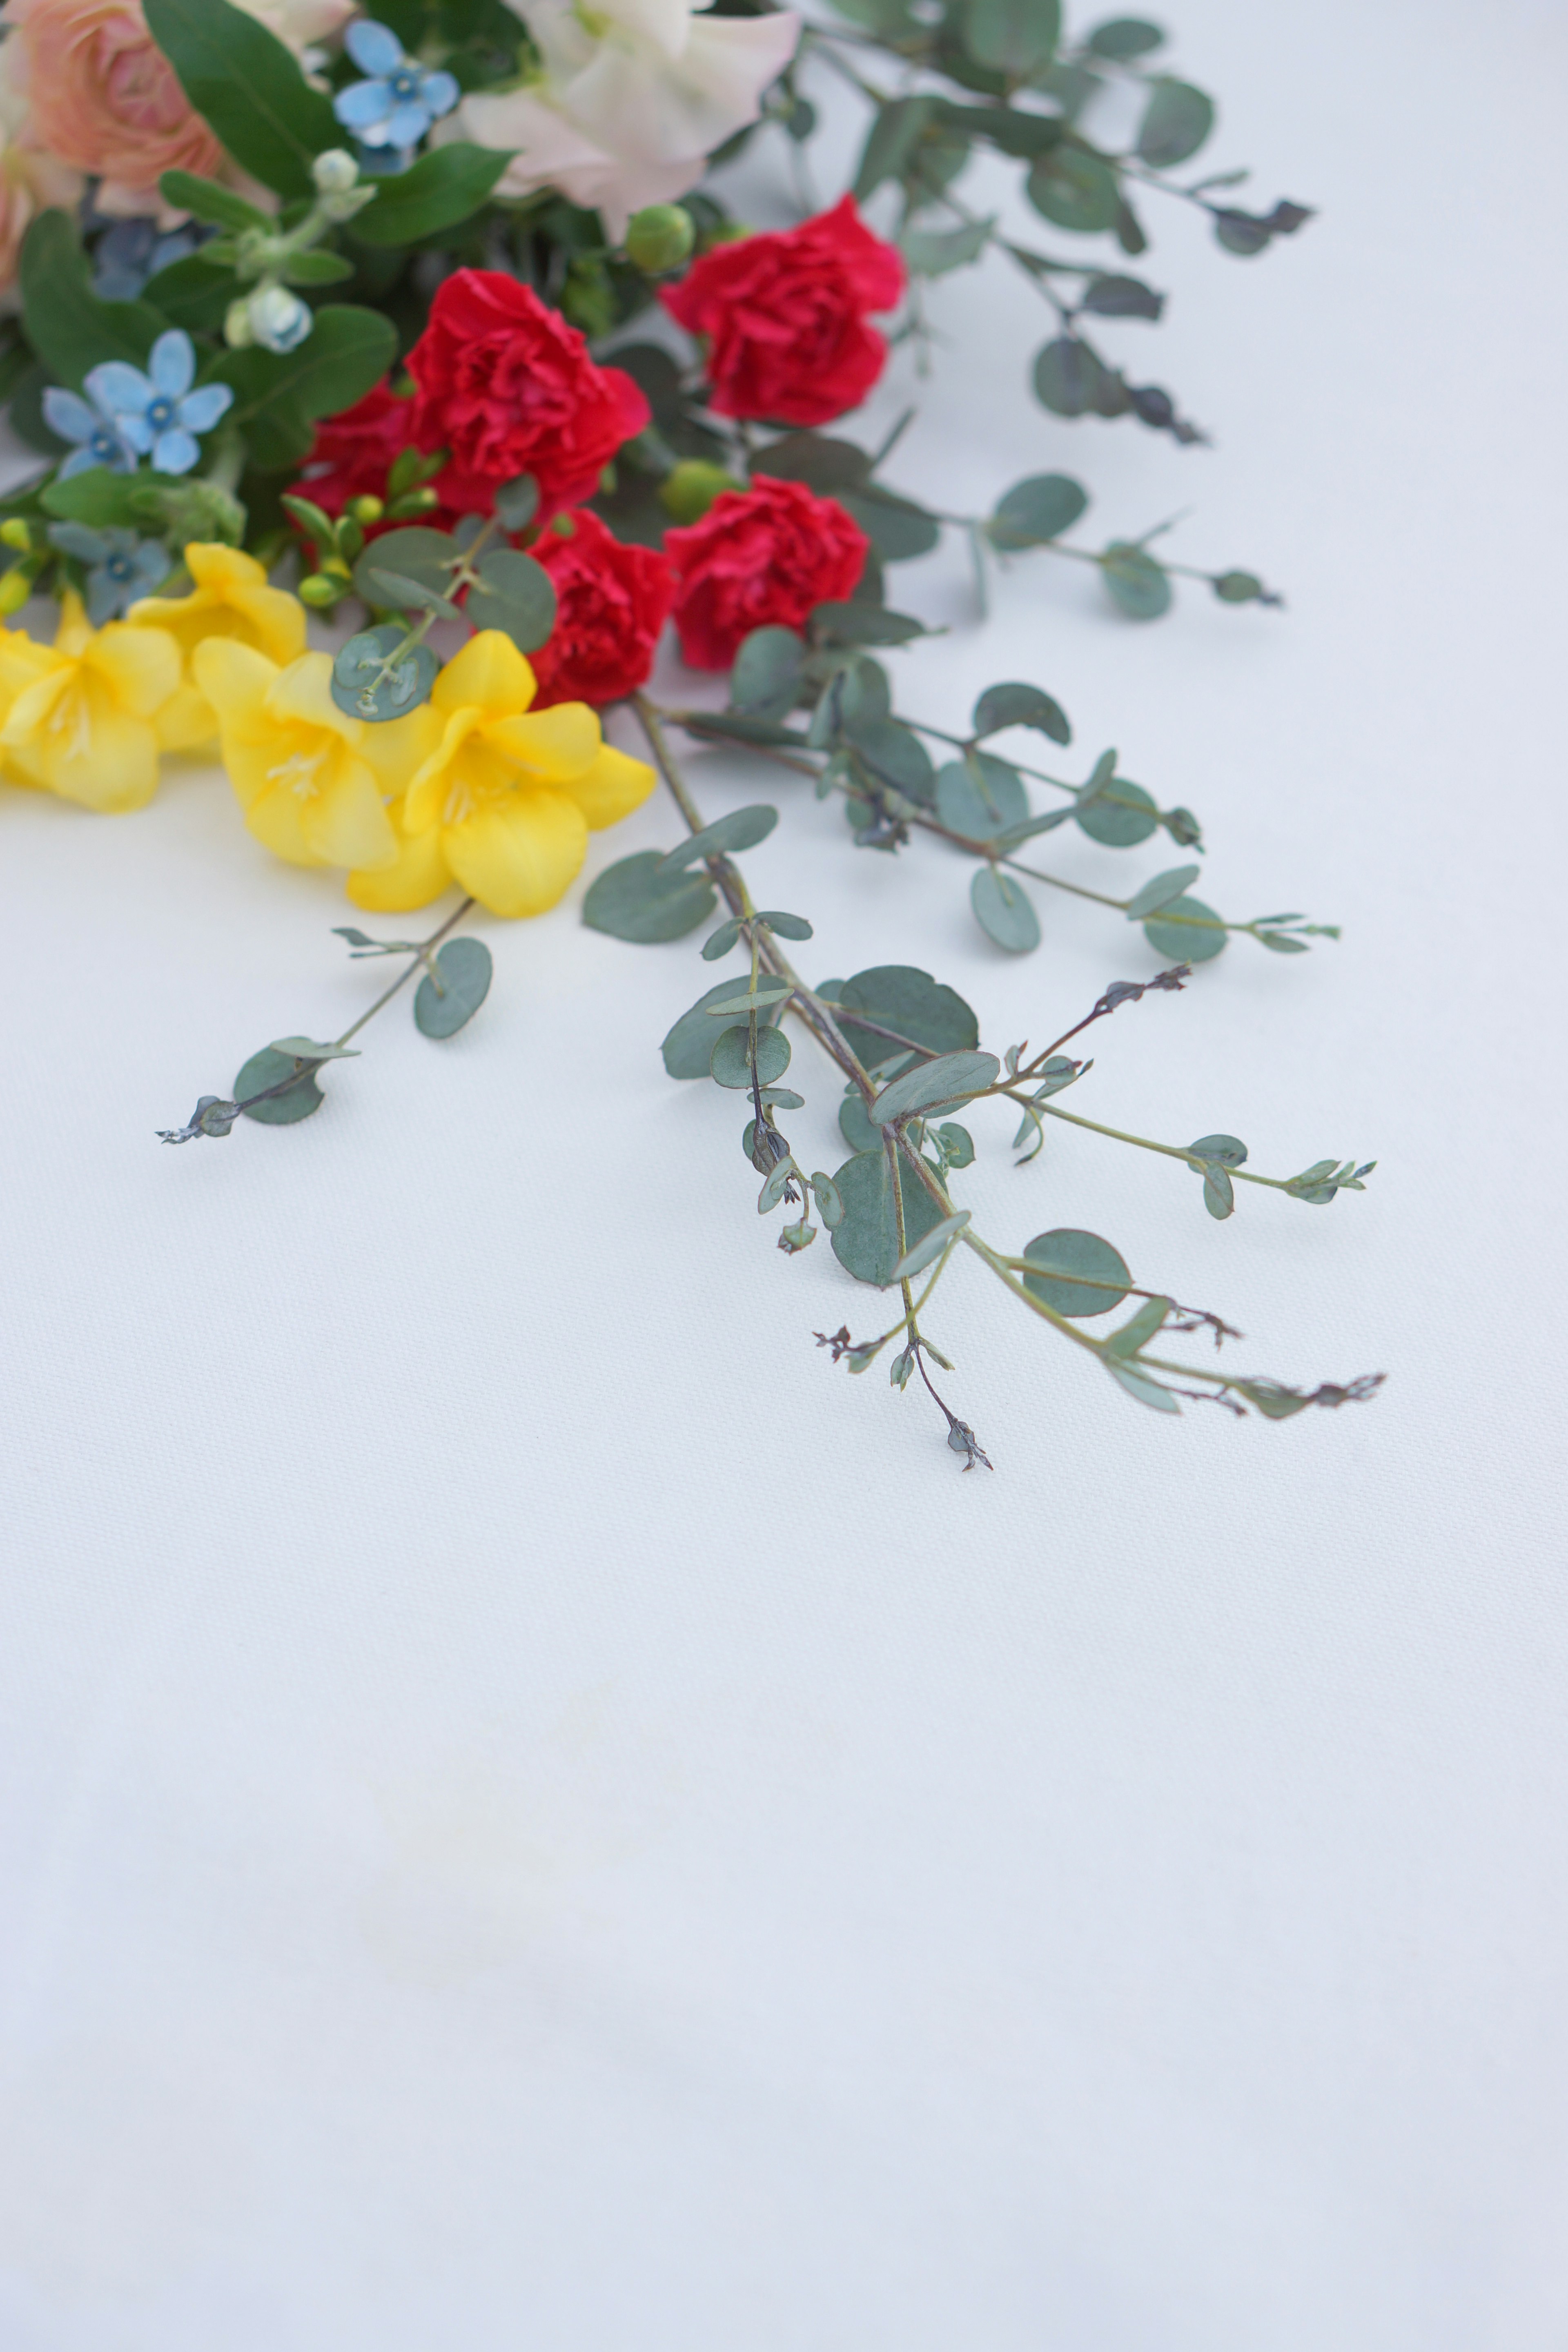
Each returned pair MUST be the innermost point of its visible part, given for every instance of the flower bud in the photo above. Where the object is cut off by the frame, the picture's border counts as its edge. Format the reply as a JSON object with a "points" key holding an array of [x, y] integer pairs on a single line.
{"points": [[660, 238], [689, 492], [319, 590], [13, 532], [366, 509], [238, 331], [280, 322], [334, 172], [14, 590]]}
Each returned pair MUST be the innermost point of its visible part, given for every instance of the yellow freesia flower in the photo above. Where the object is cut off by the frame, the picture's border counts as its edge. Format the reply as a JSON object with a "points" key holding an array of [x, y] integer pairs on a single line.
{"points": [[85, 726], [22, 660], [312, 779], [504, 801], [231, 599]]}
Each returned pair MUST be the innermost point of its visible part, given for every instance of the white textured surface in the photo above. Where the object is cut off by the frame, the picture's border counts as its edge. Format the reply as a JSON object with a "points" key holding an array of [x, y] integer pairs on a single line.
{"points": [[536, 1812]]}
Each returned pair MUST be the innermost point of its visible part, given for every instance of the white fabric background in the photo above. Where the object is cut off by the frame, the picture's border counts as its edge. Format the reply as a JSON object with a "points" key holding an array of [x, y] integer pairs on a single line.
{"points": [[538, 1813]]}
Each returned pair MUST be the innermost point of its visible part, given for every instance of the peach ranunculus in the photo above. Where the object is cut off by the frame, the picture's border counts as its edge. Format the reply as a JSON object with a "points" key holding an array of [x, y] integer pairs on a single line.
{"points": [[102, 98], [30, 179]]}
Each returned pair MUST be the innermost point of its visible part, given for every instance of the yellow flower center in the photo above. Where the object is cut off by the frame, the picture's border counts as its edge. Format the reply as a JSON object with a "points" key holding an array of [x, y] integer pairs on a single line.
{"points": [[299, 773]]}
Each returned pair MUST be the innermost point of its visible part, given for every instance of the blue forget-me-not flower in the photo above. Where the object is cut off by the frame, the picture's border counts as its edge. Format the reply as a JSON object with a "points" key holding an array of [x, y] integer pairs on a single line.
{"points": [[401, 98], [157, 413], [120, 567], [97, 439]]}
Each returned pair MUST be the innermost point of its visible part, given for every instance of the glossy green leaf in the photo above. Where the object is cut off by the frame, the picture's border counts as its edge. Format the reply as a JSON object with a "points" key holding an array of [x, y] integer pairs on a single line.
{"points": [[729, 1063], [636, 899], [279, 394], [1080, 1276], [1004, 911], [865, 1240], [68, 326], [445, 187], [243, 82], [1195, 941], [466, 971], [688, 1050], [208, 200]]}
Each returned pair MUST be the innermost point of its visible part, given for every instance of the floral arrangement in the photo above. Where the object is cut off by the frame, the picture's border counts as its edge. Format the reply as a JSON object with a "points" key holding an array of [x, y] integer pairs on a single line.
{"points": [[306, 309]]}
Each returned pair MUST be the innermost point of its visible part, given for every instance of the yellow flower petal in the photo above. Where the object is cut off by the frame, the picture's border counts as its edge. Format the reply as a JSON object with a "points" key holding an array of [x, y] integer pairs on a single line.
{"points": [[420, 875], [345, 823], [489, 673], [517, 856], [99, 754], [73, 630], [187, 720], [395, 749], [427, 785], [304, 692], [611, 788], [140, 668], [230, 599], [550, 744]]}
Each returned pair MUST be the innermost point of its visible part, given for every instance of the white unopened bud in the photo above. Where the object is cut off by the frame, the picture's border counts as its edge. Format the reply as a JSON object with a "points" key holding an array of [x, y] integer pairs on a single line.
{"points": [[280, 322], [335, 172]]}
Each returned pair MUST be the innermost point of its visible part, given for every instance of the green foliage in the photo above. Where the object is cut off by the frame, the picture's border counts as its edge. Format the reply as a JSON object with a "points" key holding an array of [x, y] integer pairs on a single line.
{"points": [[637, 900], [1035, 511], [945, 1083], [688, 1050], [243, 80], [68, 326], [515, 593], [1005, 910], [981, 797], [1017, 38], [466, 970], [1020, 706], [378, 675], [277, 395], [908, 1002], [731, 1064], [442, 190], [865, 1240], [1139, 585], [1194, 940], [1176, 122], [271, 1069], [742, 829], [1080, 1274]]}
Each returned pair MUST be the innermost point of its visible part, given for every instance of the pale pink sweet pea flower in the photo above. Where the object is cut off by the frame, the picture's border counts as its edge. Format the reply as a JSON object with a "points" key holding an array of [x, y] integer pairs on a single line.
{"points": [[104, 99], [634, 97], [30, 179]]}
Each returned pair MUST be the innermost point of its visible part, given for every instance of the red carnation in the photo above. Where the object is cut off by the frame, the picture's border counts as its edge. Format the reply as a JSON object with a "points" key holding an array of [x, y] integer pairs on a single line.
{"points": [[353, 453], [784, 314], [611, 602], [765, 555], [507, 386]]}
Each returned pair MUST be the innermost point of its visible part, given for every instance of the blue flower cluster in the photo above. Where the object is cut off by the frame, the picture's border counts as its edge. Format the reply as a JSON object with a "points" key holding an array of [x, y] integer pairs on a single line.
{"points": [[126, 416], [396, 106]]}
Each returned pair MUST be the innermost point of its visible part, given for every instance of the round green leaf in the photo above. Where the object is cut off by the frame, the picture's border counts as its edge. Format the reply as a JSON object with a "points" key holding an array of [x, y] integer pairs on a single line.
{"points": [[729, 1064], [1080, 1273], [981, 797], [265, 1070], [636, 899], [1139, 586], [765, 677], [1228, 1149], [1185, 943], [896, 756], [515, 593], [1005, 910], [415, 552], [1120, 37], [1015, 37], [688, 1050], [957, 1143], [1021, 706], [866, 1239], [1036, 510], [1074, 189], [855, 1127], [742, 829], [898, 997], [466, 973], [1114, 823], [1176, 124], [362, 688]]}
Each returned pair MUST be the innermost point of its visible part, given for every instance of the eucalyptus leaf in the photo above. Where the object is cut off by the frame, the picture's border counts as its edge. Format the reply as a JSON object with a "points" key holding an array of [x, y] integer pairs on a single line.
{"points": [[980, 797], [1005, 910], [898, 529], [313, 1049], [1139, 585], [829, 1206], [1020, 706], [729, 1063], [1176, 122], [940, 1084], [270, 1068], [742, 829], [768, 991], [1080, 1274], [720, 943], [896, 756], [360, 689], [1219, 1194], [1075, 189], [1120, 298], [1036, 510], [636, 899], [1228, 1149], [1201, 937], [396, 589], [910, 1003], [688, 1050], [930, 253], [1139, 1386], [1159, 890], [866, 1239], [517, 501], [1121, 822], [466, 971], [957, 1144], [415, 552], [766, 677], [1140, 1328], [1014, 37], [921, 1254], [513, 593], [1122, 37], [864, 624]]}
